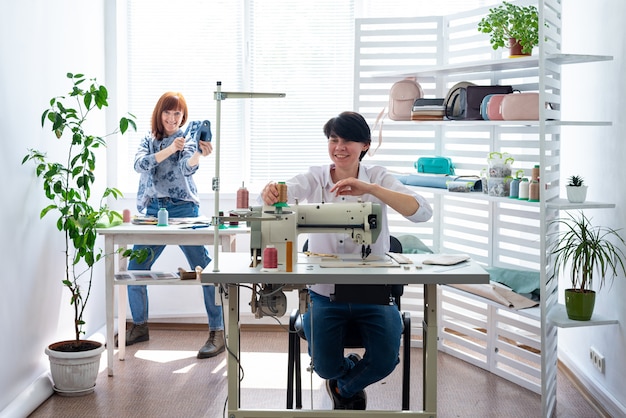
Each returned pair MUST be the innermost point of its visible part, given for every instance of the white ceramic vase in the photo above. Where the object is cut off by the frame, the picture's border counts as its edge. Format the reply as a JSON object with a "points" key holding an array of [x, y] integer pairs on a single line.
{"points": [[576, 194]]}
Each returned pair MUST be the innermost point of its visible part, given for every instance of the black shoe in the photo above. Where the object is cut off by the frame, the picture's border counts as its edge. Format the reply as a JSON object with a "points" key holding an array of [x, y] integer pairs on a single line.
{"points": [[357, 402], [213, 346], [136, 334]]}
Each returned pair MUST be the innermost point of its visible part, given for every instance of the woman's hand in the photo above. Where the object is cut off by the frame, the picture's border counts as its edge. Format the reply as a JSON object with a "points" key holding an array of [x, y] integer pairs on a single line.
{"points": [[351, 187], [269, 194], [205, 148], [177, 145]]}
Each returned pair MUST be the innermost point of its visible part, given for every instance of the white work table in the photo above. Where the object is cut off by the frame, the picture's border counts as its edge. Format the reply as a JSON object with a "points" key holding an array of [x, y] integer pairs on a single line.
{"points": [[233, 269], [125, 235]]}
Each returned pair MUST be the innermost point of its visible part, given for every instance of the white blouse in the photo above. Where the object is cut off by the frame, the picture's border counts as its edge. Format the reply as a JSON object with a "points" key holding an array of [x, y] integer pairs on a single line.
{"points": [[314, 187]]}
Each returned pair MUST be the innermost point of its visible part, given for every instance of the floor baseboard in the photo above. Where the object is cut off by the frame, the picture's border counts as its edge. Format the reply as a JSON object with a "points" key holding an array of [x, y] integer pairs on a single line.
{"points": [[30, 398]]}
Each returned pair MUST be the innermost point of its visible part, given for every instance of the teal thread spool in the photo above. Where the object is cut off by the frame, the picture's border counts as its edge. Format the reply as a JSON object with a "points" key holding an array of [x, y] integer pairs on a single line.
{"points": [[163, 217]]}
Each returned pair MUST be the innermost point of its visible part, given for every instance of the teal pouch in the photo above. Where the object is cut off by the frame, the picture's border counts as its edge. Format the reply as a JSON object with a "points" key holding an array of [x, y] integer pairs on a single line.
{"points": [[434, 165]]}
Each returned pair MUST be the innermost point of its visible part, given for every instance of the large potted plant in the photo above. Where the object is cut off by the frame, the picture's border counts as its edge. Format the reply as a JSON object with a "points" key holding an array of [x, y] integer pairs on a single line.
{"points": [[68, 186], [513, 26], [590, 252]]}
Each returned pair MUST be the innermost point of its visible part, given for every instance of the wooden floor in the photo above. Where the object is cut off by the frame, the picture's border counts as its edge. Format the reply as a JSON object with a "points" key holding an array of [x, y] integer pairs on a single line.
{"points": [[163, 378]]}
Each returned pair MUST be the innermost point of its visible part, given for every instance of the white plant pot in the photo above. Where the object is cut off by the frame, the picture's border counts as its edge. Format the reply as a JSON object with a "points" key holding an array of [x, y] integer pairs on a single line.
{"points": [[576, 194], [74, 373]]}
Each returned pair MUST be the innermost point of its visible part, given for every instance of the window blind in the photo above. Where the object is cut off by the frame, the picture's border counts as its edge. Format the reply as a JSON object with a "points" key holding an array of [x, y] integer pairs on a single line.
{"points": [[302, 49]]}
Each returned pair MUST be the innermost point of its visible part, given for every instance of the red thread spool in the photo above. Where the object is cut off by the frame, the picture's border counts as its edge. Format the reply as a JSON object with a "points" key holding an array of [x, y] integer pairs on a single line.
{"points": [[270, 257], [242, 197]]}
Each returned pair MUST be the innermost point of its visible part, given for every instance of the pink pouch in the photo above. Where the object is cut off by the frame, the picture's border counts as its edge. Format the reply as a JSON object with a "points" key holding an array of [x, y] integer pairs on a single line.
{"points": [[520, 106], [493, 107]]}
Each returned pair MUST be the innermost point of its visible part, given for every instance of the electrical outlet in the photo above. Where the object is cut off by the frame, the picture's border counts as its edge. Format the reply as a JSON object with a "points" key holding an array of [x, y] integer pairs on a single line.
{"points": [[597, 359]]}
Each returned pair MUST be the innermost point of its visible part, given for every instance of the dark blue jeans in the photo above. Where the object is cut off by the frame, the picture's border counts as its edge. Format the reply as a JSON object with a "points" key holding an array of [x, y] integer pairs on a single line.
{"points": [[380, 327], [197, 255]]}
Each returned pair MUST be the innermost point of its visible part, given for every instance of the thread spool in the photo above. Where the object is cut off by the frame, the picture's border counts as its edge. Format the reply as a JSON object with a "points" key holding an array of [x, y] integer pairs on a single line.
{"points": [[163, 217], [233, 223], [533, 191], [524, 186], [242, 197], [514, 189], [289, 256], [126, 216], [535, 173], [270, 258], [282, 192]]}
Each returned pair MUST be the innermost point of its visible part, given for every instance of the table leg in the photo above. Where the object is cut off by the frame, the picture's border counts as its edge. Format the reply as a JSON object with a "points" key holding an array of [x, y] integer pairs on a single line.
{"points": [[109, 273], [234, 349], [122, 295], [430, 348]]}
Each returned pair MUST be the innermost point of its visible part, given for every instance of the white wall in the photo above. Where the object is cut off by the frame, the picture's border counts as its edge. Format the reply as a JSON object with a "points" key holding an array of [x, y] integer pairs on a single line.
{"points": [[598, 90], [41, 41]]}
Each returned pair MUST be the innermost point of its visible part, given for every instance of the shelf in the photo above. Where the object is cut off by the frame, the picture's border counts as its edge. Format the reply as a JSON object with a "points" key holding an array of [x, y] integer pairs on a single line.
{"points": [[497, 65], [472, 195], [564, 204], [506, 122], [558, 316], [560, 204]]}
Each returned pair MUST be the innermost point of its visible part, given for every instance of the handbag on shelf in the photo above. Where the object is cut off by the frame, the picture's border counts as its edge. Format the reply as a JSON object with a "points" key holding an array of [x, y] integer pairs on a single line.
{"points": [[434, 165], [455, 101], [475, 95], [520, 106], [402, 96], [464, 102], [490, 107]]}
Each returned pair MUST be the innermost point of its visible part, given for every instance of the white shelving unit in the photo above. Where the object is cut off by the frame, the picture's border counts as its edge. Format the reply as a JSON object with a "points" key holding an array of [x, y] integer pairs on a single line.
{"points": [[439, 51]]}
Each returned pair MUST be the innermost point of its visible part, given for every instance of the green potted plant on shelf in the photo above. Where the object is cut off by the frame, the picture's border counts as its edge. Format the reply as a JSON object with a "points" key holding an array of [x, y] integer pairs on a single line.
{"points": [[511, 25], [590, 252], [67, 184], [576, 189]]}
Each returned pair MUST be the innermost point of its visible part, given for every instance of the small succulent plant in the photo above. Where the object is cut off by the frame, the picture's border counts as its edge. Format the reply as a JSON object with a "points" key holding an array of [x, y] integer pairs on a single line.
{"points": [[575, 181]]}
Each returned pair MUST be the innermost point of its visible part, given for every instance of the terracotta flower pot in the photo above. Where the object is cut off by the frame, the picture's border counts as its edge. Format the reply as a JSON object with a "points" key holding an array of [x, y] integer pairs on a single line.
{"points": [[515, 49]]}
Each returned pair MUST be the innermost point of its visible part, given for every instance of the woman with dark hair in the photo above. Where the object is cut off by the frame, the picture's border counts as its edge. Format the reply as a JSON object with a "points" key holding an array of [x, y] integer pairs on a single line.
{"points": [[325, 322], [167, 161]]}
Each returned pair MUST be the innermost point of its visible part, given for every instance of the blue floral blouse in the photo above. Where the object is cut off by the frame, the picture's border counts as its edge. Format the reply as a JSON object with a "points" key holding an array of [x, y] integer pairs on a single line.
{"points": [[172, 177]]}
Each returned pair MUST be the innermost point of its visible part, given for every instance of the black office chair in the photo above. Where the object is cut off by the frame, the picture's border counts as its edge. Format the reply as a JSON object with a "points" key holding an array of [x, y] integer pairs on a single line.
{"points": [[353, 339]]}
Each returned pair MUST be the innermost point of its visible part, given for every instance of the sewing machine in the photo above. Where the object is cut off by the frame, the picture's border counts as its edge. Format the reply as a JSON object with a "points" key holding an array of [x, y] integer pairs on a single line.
{"points": [[277, 225]]}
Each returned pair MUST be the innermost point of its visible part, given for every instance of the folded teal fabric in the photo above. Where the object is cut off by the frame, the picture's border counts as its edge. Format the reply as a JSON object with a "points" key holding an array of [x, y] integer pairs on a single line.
{"points": [[520, 281]]}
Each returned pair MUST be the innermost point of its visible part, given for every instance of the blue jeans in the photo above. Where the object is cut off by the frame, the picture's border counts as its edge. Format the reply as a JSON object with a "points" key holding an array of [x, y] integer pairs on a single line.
{"points": [[380, 327], [197, 255]]}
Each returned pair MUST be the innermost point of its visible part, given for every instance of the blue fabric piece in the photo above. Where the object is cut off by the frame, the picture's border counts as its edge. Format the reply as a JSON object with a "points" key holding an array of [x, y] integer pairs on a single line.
{"points": [[426, 180], [439, 181]]}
